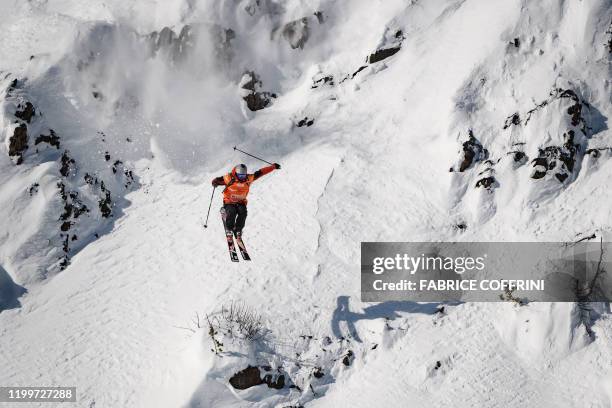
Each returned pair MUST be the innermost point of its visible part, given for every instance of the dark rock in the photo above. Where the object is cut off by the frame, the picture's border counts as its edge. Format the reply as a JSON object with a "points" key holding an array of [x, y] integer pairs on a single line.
{"points": [[66, 247], [222, 42], [438, 365], [65, 226], [256, 99], [73, 206], [18, 143], [486, 182], [97, 95], [318, 372], [251, 377], [382, 54], [26, 112], [168, 44], [65, 262], [107, 156], [34, 189], [348, 358], [296, 33], [326, 80], [516, 42], [550, 157], [593, 152], [519, 156], [319, 16], [115, 165], [105, 203], [461, 226], [51, 139], [513, 119], [89, 179], [473, 151], [305, 122], [361, 68], [68, 165]]}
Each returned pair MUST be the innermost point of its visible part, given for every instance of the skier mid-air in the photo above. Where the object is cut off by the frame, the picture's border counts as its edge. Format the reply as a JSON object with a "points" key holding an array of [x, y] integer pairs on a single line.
{"points": [[234, 210]]}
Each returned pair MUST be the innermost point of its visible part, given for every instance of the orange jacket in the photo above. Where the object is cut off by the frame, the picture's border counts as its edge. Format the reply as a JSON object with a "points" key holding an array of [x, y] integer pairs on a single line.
{"points": [[236, 191]]}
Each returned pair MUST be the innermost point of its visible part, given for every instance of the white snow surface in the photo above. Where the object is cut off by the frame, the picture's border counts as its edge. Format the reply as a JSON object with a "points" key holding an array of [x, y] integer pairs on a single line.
{"points": [[112, 313]]}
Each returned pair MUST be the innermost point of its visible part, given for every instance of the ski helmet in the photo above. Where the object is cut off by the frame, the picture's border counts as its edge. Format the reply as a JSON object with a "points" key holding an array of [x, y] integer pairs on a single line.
{"points": [[241, 172]]}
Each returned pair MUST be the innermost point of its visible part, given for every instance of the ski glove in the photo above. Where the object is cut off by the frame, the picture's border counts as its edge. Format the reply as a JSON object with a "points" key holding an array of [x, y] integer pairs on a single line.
{"points": [[276, 166]]}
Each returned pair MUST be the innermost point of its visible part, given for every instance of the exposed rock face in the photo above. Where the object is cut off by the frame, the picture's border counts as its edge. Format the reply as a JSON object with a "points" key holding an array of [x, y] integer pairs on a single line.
{"points": [[473, 151], [381, 54], [324, 80], [348, 358], [168, 43], [223, 44], [391, 45], [105, 203], [254, 97], [52, 139], [25, 112], [18, 143], [558, 159], [562, 159], [251, 377], [296, 33], [486, 182], [68, 167]]}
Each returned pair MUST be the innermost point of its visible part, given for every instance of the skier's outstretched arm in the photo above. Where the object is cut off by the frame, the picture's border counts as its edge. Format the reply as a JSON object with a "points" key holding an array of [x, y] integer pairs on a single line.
{"points": [[218, 181], [265, 170]]}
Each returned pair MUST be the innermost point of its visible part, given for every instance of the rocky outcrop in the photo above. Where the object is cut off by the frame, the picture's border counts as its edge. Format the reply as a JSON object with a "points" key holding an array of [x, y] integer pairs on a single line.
{"points": [[168, 43], [390, 46], [18, 143], [25, 112], [255, 98], [51, 139], [305, 122], [473, 151], [68, 165], [296, 33], [559, 160], [251, 377]]}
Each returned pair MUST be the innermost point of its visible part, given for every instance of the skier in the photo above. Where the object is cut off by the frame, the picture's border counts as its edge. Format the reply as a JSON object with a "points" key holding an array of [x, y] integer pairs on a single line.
{"points": [[237, 183]]}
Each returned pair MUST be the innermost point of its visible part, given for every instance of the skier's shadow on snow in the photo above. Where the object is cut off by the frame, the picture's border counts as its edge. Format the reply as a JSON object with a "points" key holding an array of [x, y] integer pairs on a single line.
{"points": [[382, 310]]}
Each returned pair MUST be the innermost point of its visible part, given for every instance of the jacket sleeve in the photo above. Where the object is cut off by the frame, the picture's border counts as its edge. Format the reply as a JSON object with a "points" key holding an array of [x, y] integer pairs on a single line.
{"points": [[218, 181], [262, 172]]}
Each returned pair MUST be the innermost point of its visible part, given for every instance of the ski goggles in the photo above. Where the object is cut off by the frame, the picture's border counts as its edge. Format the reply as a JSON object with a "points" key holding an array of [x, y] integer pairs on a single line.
{"points": [[241, 177]]}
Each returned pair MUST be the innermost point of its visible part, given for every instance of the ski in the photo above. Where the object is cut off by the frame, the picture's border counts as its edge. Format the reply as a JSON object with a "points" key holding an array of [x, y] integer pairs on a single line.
{"points": [[230, 239], [242, 248], [231, 247]]}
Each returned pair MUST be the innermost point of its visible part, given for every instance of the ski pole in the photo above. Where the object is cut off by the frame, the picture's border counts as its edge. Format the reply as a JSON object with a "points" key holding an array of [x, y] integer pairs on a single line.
{"points": [[210, 205], [255, 157]]}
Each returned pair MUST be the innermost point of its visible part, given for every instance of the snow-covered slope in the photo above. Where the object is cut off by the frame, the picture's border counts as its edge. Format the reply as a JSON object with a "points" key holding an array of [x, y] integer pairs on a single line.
{"points": [[115, 116]]}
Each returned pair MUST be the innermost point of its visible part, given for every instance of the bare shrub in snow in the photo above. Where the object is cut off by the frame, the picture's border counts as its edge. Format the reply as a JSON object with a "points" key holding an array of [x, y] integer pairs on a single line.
{"points": [[242, 321]]}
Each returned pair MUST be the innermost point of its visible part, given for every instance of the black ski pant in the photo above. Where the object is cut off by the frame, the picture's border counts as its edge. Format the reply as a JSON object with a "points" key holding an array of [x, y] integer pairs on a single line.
{"points": [[235, 216]]}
